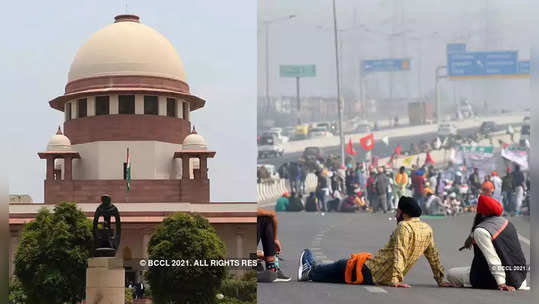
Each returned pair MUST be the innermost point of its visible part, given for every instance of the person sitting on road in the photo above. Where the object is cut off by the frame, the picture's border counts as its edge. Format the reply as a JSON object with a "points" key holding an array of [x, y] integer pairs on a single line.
{"points": [[349, 204], [411, 239], [295, 202], [282, 202], [267, 233], [311, 205], [453, 203], [335, 203], [498, 262], [433, 204]]}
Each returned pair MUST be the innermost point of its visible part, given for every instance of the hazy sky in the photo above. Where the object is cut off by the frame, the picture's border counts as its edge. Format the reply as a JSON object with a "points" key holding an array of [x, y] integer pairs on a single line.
{"points": [[215, 39], [308, 39]]}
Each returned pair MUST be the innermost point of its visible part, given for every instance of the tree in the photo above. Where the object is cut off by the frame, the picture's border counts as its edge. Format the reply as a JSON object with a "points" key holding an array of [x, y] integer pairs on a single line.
{"points": [[52, 257], [185, 237]]}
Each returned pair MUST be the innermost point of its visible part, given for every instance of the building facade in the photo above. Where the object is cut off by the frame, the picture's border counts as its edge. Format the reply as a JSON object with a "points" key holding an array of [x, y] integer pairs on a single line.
{"points": [[127, 94]]}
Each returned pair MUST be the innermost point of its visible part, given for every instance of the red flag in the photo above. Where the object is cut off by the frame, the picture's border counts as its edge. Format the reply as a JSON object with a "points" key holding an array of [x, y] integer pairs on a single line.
{"points": [[397, 150], [367, 142], [428, 159], [350, 148]]}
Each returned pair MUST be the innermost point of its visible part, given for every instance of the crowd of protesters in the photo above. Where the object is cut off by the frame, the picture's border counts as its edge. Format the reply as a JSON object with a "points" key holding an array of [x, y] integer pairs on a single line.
{"points": [[439, 191]]}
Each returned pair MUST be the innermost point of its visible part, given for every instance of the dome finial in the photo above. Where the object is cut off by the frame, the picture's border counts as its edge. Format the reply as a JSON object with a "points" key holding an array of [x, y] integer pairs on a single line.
{"points": [[59, 132], [194, 131], [127, 18]]}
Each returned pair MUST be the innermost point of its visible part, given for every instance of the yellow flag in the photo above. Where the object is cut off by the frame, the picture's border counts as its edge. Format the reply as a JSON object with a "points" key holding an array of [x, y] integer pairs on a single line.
{"points": [[407, 161]]}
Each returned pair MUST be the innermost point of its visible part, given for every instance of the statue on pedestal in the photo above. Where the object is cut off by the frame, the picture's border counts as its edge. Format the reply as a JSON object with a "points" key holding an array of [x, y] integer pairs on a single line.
{"points": [[106, 240]]}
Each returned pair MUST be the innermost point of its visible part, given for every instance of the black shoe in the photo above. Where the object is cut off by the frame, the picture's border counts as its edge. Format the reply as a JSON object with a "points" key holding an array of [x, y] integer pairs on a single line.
{"points": [[281, 277], [266, 276]]}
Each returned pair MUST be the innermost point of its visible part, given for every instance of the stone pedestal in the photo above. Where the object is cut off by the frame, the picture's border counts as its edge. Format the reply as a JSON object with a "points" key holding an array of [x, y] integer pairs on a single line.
{"points": [[105, 281]]}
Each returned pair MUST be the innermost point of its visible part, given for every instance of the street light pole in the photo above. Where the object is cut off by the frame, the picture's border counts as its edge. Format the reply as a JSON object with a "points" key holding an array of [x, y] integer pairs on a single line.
{"points": [[339, 101], [267, 103], [266, 47], [437, 77]]}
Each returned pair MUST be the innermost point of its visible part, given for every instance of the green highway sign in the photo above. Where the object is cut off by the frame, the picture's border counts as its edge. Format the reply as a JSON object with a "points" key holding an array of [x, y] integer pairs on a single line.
{"points": [[297, 70]]}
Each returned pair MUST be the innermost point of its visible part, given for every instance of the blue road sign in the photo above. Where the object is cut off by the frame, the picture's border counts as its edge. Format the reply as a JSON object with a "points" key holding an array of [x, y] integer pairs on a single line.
{"points": [[482, 63], [385, 65], [456, 48], [524, 67]]}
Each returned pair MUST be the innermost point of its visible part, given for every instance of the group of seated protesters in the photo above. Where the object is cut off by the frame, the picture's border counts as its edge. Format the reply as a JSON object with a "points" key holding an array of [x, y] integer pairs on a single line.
{"points": [[290, 201]]}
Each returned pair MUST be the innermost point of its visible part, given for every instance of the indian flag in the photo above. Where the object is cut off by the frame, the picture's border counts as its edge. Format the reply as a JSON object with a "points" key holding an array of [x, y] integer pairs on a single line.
{"points": [[128, 171]]}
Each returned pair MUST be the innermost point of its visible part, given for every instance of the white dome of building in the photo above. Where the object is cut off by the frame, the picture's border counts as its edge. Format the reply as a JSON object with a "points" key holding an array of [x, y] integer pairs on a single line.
{"points": [[194, 141], [59, 142], [127, 48]]}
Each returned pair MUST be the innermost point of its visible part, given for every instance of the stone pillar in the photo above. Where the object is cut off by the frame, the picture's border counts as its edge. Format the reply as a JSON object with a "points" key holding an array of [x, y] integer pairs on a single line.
{"points": [[68, 169], [50, 168], [145, 243], [105, 281], [203, 167], [186, 173]]}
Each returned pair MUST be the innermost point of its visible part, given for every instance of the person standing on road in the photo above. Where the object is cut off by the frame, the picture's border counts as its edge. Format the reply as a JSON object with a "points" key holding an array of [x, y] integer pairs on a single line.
{"points": [[475, 182], [418, 185], [322, 189], [498, 262], [391, 204], [411, 239], [381, 184], [401, 181], [497, 182], [293, 176], [267, 228], [519, 185], [362, 178], [507, 191], [371, 190]]}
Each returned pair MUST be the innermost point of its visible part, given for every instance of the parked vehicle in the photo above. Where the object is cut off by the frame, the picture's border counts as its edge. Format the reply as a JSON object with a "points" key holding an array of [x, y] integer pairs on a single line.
{"points": [[319, 132], [487, 127], [447, 129], [270, 146], [363, 127], [302, 132]]}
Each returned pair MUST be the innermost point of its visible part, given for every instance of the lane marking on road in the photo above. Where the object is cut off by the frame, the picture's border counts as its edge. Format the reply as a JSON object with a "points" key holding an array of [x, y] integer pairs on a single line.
{"points": [[327, 261], [315, 243], [523, 239], [321, 257], [316, 249], [374, 289]]}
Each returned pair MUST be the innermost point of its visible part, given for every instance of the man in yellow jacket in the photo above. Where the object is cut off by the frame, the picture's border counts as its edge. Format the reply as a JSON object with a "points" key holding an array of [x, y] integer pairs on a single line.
{"points": [[401, 181], [411, 239]]}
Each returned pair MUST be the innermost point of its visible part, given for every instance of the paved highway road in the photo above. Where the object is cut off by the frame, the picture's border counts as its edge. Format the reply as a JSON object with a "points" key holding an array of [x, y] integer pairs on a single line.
{"points": [[336, 235]]}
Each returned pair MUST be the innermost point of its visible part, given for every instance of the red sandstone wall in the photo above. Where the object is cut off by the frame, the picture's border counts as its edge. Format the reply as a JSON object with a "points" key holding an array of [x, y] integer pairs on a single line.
{"points": [[142, 191], [127, 127]]}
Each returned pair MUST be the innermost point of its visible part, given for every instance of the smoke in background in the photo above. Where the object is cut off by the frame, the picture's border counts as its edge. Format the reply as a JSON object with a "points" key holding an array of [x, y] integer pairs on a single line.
{"points": [[534, 166]]}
